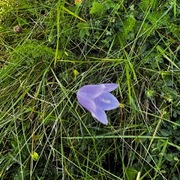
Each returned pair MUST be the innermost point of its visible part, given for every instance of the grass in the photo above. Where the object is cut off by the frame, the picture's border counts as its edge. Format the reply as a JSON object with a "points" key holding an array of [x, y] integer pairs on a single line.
{"points": [[49, 50]]}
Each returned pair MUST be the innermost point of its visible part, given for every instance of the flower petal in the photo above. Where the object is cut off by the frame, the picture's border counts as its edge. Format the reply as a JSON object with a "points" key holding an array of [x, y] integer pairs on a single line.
{"points": [[100, 115], [110, 87], [86, 102], [91, 91], [97, 99], [106, 101], [95, 110]]}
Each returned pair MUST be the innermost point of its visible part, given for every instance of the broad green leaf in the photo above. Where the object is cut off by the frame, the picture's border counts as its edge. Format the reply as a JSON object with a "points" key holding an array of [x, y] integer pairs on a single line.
{"points": [[130, 173], [84, 29], [97, 8], [129, 25]]}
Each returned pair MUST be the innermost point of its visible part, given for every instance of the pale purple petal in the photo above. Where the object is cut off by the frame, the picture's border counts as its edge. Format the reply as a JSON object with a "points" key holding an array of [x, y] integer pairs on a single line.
{"points": [[100, 115], [110, 86], [87, 103], [106, 101], [91, 91], [95, 110]]}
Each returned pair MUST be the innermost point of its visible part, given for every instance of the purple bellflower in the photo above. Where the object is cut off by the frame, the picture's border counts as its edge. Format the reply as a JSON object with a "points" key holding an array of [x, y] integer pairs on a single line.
{"points": [[97, 99]]}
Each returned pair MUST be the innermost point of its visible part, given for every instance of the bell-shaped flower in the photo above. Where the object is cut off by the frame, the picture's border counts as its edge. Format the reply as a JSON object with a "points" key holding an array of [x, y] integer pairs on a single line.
{"points": [[97, 99]]}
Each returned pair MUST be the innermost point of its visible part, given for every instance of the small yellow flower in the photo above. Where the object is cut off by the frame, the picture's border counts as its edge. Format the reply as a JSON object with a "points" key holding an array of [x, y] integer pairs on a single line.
{"points": [[75, 72], [78, 2], [35, 156]]}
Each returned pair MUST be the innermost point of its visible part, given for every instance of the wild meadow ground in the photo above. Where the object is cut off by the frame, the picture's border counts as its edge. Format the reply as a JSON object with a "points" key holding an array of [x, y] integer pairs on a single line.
{"points": [[49, 49]]}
